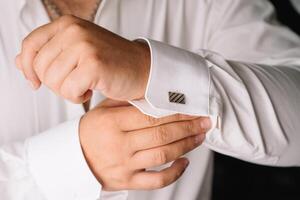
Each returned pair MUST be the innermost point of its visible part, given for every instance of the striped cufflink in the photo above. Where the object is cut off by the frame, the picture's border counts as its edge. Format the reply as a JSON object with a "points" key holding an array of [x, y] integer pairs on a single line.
{"points": [[175, 97]]}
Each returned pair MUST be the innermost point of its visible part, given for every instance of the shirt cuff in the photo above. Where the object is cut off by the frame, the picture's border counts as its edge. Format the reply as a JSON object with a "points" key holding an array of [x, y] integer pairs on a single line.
{"points": [[177, 71], [57, 163], [180, 71]]}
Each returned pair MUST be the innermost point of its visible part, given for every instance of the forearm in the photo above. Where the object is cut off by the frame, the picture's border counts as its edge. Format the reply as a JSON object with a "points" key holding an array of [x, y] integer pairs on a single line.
{"points": [[259, 109], [256, 105]]}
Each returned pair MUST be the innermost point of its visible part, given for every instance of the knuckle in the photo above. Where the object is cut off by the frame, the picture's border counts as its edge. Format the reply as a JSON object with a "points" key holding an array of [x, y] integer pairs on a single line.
{"points": [[74, 28], [151, 120], [27, 43], [67, 19], [92, 58], [69, 94], [88, 48], [197, 125], [64, 91], [161, 135], [30, 74], [160, 157], [189, 126], [104, 84], [36, 66], [50, 81], [193, 127]]}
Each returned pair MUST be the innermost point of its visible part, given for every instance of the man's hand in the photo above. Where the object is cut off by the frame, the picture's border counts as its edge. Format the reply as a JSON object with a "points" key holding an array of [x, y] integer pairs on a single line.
{"points": [[72, 57], [120, 143]]}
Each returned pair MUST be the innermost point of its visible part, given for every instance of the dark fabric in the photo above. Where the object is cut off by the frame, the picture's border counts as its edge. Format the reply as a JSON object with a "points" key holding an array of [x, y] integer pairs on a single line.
{"points": [[238, 180], [287, 14]]}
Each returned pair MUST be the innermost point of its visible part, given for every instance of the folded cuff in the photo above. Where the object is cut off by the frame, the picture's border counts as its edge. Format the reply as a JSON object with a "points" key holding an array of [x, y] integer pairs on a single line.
{"points": [[57, 163]]}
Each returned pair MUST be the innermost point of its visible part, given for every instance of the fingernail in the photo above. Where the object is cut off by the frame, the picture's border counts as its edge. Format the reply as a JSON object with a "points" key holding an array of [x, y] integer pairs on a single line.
{"points": [[199, 138], [205, 123]]}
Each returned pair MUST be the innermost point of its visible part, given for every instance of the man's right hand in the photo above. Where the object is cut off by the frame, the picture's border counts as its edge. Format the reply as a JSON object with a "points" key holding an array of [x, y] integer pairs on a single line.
{"points": [[120, 144]]}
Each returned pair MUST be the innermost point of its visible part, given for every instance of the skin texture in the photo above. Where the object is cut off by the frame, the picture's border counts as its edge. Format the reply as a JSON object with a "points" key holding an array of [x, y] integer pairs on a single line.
{"points": [[137, 143], [72, 57]]}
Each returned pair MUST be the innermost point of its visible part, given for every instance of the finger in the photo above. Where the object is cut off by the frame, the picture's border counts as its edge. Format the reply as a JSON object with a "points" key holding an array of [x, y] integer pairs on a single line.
{"points": [[40, 36], [150, 180], [60, 68], [30, 47], [29, 72], [19, 67], [162, 155], [165, 134], [130, 118], [76, 87], [46, 55], [34, 42]]}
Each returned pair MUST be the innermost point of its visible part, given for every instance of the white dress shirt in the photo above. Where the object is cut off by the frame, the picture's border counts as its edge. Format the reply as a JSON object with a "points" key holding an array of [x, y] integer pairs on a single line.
{"points": [[244, 73]]}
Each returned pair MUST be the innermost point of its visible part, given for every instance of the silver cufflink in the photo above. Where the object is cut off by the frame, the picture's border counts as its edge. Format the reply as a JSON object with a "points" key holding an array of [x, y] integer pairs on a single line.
{"points": [[175, 97]]}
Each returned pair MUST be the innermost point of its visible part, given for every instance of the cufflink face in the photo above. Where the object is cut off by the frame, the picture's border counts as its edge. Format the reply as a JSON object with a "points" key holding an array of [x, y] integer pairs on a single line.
{"points": [[175, 97]]}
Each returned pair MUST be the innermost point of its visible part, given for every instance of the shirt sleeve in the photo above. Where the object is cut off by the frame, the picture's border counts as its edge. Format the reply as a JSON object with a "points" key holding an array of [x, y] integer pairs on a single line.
{"points": [[50, 165], [247, 82]]}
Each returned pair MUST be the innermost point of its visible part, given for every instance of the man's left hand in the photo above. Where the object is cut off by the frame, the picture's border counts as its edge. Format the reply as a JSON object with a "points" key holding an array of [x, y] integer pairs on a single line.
{"points": [[72, 57]]}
